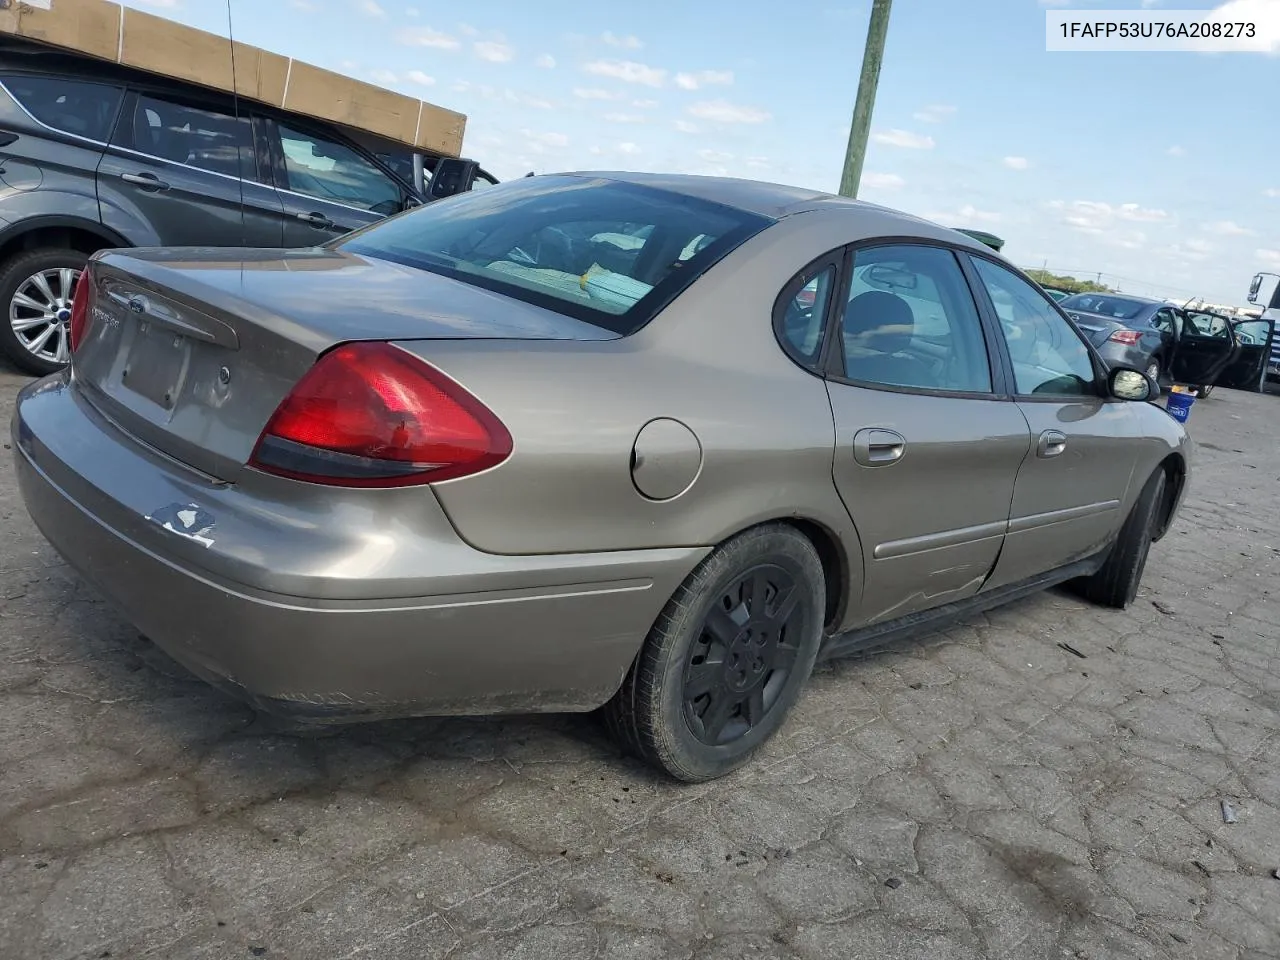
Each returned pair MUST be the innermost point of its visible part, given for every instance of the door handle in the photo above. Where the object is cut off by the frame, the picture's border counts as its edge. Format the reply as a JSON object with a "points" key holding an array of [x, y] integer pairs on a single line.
{"points": [[875, 447], [316, 220], [1052, 443], [147, 181]]}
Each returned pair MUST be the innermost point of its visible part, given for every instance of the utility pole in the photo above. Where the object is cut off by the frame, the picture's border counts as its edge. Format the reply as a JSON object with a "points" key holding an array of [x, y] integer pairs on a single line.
{"points": [[872, 56]]}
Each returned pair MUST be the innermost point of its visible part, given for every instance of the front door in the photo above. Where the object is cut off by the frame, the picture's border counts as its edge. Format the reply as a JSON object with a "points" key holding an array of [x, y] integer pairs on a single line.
{"points": [[926, 451], [1066, 503], [189, 173], [1255, 339], [328, 188]]}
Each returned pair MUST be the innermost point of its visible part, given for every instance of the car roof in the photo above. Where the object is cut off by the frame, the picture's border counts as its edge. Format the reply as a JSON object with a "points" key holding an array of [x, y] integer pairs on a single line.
{"points": [[773, 200]]}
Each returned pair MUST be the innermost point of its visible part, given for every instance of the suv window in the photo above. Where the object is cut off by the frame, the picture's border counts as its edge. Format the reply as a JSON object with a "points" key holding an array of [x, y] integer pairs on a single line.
{"points": [[205, 139], [86, 109], [1049, 358], [332, 171], [911, 322]]}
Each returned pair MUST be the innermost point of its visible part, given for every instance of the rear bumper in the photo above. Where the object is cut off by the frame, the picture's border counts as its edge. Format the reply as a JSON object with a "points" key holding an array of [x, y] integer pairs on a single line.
{"points": [[475, 633]]}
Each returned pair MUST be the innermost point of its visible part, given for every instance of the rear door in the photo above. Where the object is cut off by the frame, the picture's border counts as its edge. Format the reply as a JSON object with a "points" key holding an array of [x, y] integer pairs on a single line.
{"points": [[328, 187], [1204, 349], [1066, 502], [187, 168], [927, 445]]}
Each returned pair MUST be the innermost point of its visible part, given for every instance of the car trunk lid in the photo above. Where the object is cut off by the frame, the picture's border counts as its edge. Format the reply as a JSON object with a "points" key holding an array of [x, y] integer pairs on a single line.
{"points": [[1094, 326], [191, 351]]}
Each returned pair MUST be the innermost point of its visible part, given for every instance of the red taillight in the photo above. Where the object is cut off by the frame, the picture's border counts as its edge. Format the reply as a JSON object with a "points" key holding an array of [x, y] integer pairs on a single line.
{"points": [[1127, 337], [80, 309], [373, 415]]}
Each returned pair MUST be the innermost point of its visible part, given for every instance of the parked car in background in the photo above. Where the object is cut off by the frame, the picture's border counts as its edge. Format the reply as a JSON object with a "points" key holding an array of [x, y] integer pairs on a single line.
{"points": [[94, 156], [649, 443], [1157, 337], [1057, 293]]}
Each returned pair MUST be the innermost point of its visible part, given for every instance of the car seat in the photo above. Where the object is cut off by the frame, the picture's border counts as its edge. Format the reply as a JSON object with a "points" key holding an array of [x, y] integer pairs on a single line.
{"points": [[878, 326]]}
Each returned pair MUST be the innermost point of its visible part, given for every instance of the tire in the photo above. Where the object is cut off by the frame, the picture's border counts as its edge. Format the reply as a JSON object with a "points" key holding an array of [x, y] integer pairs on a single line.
{"points": [[17, 276], [1153, 371], [662, 715], [1203, 392], [1116, 584]]}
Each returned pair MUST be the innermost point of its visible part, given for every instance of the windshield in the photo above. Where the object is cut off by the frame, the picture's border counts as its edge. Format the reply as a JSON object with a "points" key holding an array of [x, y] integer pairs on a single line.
{"points": [[1117, 308], [598, 250]]}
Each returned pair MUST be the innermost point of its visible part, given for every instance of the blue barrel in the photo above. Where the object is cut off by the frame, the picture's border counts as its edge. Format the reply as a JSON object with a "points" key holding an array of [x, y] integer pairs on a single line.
{"points": [[1178, 406]]}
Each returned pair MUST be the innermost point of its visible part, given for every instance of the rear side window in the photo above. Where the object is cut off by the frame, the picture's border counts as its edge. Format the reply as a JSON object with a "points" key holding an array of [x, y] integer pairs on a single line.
{"points": [[599, 250], [72, 106], [207, 139]]}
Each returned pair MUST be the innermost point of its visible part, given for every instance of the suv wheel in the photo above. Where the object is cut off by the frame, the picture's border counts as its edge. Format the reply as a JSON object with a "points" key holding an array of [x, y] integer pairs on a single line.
{"points": [[36, 288]]}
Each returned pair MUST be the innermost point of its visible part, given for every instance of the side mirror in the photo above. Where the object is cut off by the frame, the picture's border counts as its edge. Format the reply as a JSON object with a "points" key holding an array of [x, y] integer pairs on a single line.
{"points": [[1126, 383], [452, 175], [1254, 287]]}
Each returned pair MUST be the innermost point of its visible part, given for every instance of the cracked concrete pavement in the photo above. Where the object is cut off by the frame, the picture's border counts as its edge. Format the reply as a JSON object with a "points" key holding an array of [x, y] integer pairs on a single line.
{"points": [[982, 793]]}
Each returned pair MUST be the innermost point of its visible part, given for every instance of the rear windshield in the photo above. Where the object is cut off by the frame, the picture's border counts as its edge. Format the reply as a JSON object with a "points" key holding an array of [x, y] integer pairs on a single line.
{"points": [[610, 253], [1118, 308]]}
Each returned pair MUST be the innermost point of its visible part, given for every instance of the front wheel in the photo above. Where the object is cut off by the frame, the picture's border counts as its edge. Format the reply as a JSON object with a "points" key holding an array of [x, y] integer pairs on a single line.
{"points": [[36, 289], [1203, 392], [1116, 583], [1153, 370], [727, 657]]}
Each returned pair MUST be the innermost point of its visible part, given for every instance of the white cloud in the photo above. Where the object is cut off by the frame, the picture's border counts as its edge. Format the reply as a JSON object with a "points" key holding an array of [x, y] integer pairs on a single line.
{"points": [[527, 100], [715, 156], [934, 113], [628, 71], [545, 62], [903, 138], [1270, 258], [595, 93], [684, 126], [704, 78], [384, 77], [539, 142], [971, 213], [467, 30], [1272, 192], [720, 111], [628, 148], [372, 9], [1017, 163], [759, 163], [426, 37], [420, 78], [1131, 211], [644, 104], [1176, 151], [1097, 218], [883, 181], [625, 118], [1227, 228], [626, 43], [493, 51]]}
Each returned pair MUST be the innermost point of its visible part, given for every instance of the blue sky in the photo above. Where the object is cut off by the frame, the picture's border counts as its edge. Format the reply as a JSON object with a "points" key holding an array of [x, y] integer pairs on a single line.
{"points": [[1162, 169]]}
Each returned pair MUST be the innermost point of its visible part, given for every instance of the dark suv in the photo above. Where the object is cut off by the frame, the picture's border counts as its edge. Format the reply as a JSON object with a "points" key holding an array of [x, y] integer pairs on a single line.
{"points": [[94, 156]]}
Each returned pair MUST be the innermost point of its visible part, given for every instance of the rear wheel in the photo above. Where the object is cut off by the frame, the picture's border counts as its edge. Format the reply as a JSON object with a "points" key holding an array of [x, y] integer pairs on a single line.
{"points": [[36, 288], [1116, 584], [1153, 371], [726, 659]]}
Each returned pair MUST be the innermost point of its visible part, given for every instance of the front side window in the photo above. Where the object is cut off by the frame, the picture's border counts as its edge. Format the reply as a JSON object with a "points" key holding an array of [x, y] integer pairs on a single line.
{"points": [[207, 139], [599, 250], [1253, 332], [911, 322], [1049, 358], [86, 109], [326, 170]]}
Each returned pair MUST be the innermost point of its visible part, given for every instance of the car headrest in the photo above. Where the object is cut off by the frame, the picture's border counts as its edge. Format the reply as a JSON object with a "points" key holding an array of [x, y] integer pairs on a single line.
{"points": [[879, 321]]}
